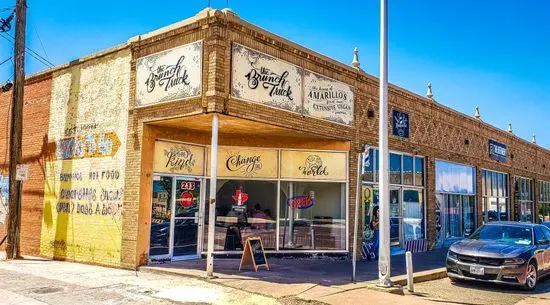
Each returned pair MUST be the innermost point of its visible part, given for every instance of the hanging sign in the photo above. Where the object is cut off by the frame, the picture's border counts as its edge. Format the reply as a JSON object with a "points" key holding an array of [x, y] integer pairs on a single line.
{"points": [[178, 158], [401, 125], [260, 78], [313, 165], [497, 151], [169, 75], [327, 99], [240, 197], [254, 254], [186, 199], [301, 202]]}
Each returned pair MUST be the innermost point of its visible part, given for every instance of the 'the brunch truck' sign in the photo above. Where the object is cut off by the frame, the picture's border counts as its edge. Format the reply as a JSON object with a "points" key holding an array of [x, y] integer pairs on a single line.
{"points": [[169, 75]]}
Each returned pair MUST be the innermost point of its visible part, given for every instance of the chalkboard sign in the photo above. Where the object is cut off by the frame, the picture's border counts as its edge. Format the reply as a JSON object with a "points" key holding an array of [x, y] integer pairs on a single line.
{"points": [[254, 254]]}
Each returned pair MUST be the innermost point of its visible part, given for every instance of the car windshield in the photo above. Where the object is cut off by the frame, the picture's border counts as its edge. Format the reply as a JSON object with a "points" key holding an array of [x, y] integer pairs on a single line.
{"points": [[505, 234]]}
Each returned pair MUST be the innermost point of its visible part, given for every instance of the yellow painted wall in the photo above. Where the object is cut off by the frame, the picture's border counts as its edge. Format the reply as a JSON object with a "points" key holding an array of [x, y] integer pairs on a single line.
{"points": [[84, 185]]}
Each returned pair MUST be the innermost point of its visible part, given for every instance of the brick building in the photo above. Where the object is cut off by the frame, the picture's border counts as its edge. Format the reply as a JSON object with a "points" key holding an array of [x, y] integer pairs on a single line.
{"points": [[121, 152]]}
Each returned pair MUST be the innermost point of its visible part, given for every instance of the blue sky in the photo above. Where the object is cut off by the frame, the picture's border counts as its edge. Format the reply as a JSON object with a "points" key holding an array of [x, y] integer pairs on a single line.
{"points": [[488, 53]]}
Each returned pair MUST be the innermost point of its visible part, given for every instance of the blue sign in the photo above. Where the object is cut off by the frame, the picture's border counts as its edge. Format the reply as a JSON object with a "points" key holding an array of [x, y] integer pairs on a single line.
{"points": [[497, 151], [400, 124]]}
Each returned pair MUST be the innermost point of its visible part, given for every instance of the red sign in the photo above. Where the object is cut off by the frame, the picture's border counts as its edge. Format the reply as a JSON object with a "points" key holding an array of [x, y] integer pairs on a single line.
{"points": [[186, 199], [301, 202], [240, 197]]}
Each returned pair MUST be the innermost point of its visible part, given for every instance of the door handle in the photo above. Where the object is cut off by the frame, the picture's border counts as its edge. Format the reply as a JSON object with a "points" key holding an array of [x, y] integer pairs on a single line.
{"points": [[196, 217]]}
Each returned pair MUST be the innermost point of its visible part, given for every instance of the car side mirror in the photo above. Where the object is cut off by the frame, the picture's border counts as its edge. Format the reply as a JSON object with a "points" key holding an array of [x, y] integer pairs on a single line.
{"points": [[543, 242]]}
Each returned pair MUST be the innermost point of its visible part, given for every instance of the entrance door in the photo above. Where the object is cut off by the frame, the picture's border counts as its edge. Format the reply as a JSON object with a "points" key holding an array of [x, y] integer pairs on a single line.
{"points": [[186, 218], [174, 218], [395, 217]]}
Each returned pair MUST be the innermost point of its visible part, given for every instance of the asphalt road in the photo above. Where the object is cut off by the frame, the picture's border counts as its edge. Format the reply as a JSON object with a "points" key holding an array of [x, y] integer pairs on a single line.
{"points": [[483, 293]]}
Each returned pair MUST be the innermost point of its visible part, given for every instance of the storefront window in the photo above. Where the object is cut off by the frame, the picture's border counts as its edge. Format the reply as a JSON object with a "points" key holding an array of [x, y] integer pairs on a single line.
{"points": [[455, 186], [413, 214], [161, 216], [401, 165], [495, 196], [544, 202], [244, 208], [407, 170], [395, 169], [524, 198], [312, 216], [406, 197]]}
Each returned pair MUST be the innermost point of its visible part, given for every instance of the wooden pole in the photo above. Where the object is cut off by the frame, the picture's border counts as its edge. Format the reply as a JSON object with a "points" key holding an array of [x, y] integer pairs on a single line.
{"points": [[16, 128]]}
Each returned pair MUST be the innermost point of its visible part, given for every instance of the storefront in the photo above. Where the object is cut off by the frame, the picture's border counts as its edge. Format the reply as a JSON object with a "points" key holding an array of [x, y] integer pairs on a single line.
{"points": [[496, 200], [455, 200], [544, 201], [524, 199], [407, 193], [295, 200]]}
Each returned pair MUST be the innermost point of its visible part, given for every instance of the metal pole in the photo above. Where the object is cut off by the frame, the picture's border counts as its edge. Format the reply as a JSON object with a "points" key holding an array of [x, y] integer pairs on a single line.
{"points": [[356, 220], [410, 274], [212, 201], [384, 251], [16, 130]]}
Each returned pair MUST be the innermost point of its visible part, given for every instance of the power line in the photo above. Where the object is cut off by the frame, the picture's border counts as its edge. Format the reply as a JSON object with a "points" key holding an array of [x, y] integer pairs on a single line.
{"points": [[40, 40], [31, 52], [1, 63]]}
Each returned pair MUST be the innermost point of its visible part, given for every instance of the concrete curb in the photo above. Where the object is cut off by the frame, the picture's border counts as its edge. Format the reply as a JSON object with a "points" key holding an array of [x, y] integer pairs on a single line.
{"points": [[423, 276]]}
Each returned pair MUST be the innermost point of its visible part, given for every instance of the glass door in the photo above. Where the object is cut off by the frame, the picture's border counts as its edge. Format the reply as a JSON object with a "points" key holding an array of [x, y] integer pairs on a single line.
{"points": [[186, 222], [395, 217], [161, 219]]}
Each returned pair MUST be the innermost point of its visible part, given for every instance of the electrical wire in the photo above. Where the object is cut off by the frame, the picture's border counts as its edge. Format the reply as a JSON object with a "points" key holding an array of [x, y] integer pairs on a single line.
{"points": [[30, 52], [40, 40], [5, 61], [7, 9]]}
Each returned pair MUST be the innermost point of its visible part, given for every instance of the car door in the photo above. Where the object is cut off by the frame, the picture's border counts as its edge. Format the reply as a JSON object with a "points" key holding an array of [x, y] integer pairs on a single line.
{"points": [[541, 251], [547, 251]]}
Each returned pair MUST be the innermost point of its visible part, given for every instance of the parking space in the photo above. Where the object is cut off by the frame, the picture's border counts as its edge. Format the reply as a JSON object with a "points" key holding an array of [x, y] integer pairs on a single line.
{"points": [[482, 293]]}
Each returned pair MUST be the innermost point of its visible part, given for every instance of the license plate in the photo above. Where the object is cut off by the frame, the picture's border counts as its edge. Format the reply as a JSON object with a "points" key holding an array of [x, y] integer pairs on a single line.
{"points": [[478, 270]]}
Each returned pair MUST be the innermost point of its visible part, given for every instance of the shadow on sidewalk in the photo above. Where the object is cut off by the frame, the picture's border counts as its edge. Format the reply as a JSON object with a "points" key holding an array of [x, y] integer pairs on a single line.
{"points": [[324, 270]]}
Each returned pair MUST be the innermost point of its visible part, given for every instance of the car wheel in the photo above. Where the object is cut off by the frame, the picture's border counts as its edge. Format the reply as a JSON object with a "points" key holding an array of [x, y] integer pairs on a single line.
{"points": [[531, 278]]}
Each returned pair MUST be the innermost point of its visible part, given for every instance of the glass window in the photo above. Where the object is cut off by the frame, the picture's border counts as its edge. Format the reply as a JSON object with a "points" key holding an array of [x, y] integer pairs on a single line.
{"points": [[161, 216], [483, 183], [413, 215], [368, 163], [468, 215], [544, 202], [407, 170], [454, 178], [525, 198], [244, 208], [312, 216], [395, 168], [453, 216], [419, 169]]}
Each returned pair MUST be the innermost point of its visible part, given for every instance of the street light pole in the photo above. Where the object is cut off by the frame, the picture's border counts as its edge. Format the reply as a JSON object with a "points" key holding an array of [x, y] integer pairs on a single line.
{"points": [[212, 197], [384, 244]]}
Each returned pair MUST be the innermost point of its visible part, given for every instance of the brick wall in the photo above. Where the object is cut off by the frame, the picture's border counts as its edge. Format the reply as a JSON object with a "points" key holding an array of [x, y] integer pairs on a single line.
{"points": [[437, 132], [35, 125]]}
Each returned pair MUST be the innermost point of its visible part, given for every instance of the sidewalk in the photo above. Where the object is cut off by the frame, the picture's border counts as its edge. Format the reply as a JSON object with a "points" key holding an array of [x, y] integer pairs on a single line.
{"points": [[326, 280]]}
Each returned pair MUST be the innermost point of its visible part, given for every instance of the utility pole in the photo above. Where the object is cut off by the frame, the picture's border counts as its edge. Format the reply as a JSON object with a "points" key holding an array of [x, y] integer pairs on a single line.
{"points": [[16, 131]]}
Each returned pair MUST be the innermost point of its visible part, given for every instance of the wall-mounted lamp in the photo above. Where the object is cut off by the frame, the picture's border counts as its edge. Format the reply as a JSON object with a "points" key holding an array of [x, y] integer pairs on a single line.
{"points": [[370, 113]]}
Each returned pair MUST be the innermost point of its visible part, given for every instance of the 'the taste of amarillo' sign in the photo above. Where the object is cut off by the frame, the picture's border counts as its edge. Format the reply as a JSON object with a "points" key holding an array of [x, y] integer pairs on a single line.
{"points": [[327, 99], [169, 75], [497, 151], [260, 78]]}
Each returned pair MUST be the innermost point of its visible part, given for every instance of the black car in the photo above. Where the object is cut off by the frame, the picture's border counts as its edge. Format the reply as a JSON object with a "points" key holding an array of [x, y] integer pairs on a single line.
{"points": [[502, 252]]}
